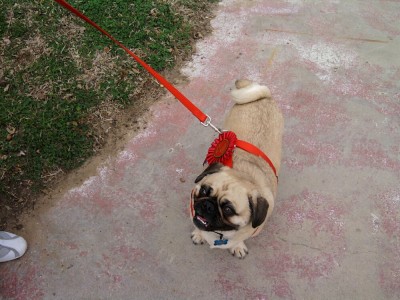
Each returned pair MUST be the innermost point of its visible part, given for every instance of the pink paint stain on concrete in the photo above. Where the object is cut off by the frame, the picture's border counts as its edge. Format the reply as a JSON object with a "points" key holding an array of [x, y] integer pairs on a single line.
{"points": [[318, 254], [314, 115], [306, 269], [21, 284], [130, 253], [92, 199], [324, 214], [387, 217], [315, 256], [381, 20], [237, 288], [281, 289], [369, 152], [149, 209], [310, 152], [349, 83], [145, 207], [388, 205], [381, 93], [104, 204], [116, 264], [315, 267], [389, 271], [109, 270], [314, 118]]}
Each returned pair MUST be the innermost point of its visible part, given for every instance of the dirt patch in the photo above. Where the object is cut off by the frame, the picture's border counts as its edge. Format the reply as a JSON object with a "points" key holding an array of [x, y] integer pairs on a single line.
{"points": [[112, 125]]}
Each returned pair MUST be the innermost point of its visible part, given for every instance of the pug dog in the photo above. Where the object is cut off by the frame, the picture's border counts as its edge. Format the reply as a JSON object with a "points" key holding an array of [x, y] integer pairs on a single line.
{"points": [[232, 204]]}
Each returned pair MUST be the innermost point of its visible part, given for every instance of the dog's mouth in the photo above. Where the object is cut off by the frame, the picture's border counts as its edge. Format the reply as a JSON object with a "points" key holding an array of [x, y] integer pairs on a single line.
{"points": [[202, 220], [194, 214]]}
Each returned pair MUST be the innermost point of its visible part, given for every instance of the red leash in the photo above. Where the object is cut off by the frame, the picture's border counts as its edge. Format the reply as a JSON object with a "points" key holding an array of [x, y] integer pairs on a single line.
{"points": [[202, 117], [185, 101]]}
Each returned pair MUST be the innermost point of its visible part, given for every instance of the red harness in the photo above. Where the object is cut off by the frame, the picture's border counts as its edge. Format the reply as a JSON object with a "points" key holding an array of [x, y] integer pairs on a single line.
{"points": [[222, 148]]}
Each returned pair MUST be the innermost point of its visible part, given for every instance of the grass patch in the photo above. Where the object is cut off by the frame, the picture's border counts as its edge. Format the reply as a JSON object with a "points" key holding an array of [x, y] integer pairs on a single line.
{"points": [[56, 71]]}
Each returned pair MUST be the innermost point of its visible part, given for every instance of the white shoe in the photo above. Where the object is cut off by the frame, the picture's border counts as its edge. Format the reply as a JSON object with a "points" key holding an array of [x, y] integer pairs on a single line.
{"points": [[11, 246]]}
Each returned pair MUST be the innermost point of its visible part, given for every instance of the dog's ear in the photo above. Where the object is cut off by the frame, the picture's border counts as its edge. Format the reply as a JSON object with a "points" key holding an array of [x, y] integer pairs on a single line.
{"points": [[259, 209], [211, 169]]}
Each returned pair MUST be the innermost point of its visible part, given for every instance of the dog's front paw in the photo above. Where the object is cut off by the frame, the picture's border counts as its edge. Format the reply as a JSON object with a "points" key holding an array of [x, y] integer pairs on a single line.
{"points": [[240, 250], [197, 238]]}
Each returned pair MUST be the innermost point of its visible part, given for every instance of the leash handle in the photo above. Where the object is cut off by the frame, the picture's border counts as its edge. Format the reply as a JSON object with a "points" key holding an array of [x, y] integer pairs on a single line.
{"points": [[203, 118]]}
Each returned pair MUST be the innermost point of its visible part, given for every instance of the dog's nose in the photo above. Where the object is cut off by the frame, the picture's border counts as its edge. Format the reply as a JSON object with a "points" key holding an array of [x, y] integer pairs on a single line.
{"points": [[209, 206], [205, 191]]}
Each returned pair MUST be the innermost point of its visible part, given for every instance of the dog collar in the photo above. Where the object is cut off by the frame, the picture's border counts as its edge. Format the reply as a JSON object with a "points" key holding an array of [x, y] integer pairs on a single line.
{"points": [[222, 148]]}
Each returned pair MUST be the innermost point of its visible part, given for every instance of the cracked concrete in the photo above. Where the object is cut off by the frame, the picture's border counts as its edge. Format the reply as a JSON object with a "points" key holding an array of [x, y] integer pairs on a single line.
{"points": [[300, 244]]}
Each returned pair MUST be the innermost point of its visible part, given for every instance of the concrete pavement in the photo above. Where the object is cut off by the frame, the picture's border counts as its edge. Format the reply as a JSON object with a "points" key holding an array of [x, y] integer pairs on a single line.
{"points": [[334, 68]]}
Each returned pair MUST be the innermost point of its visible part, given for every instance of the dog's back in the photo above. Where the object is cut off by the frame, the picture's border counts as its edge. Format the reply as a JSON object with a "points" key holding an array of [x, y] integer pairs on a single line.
{"points": [[257, 119]]}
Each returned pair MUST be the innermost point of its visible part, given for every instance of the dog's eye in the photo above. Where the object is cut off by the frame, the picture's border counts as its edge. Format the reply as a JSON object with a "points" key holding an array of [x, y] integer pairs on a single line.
{"points": [[228, 211]]}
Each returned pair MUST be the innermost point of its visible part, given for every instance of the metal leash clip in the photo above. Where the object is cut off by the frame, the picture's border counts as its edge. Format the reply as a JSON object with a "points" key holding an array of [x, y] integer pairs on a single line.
{"points": [[207, 123]]}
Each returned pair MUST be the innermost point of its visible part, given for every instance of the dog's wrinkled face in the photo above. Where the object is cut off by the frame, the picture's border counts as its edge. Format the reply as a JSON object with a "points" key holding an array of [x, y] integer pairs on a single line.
{"points": [[224, 200]]}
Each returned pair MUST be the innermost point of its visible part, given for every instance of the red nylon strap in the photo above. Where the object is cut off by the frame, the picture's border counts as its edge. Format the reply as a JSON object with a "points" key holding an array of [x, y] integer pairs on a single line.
{"points": [[178, 95], [254, 150]]}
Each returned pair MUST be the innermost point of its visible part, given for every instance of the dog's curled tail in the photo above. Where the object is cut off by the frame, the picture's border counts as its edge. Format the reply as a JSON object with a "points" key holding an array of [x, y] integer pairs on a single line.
{"points": [[247, 91]]}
